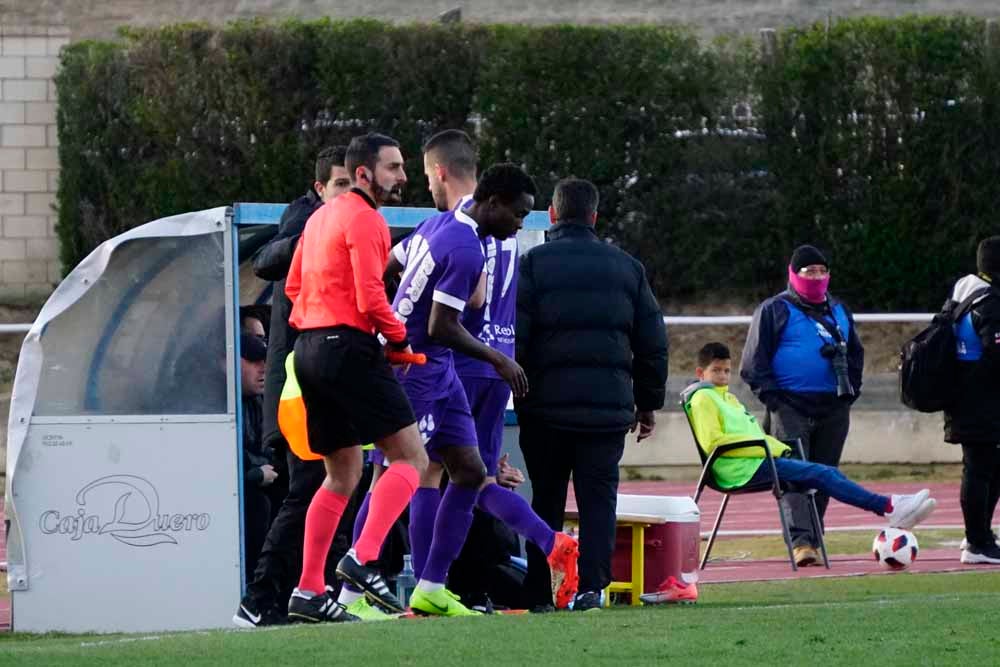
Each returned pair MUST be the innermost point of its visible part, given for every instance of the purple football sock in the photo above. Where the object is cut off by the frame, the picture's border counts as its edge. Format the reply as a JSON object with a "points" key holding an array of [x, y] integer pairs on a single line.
{"points": [[423, 510], [515, 511], [359, 523], [451, 527], [359, 520]]}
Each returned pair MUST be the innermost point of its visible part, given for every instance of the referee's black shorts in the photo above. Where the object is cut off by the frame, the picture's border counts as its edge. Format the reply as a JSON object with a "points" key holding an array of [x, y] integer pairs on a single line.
{"points": [[350, 393]]}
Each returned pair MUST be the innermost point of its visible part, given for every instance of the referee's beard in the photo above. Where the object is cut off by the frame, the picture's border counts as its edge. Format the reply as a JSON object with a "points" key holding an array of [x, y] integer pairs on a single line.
{"points": [[381, 195]]}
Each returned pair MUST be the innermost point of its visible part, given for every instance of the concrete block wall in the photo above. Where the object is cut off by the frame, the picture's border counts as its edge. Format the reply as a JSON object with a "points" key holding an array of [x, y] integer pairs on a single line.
{"points": [[29, 160]]}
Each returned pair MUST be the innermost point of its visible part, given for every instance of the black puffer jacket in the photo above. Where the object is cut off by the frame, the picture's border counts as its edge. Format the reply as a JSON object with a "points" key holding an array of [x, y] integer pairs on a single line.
{"points": [[974, 416], [590, 334], [255, 454], [272, 263]]}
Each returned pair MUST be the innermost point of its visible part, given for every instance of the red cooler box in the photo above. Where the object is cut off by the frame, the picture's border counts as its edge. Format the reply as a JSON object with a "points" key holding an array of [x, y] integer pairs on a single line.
{"points": [[672, 542]]}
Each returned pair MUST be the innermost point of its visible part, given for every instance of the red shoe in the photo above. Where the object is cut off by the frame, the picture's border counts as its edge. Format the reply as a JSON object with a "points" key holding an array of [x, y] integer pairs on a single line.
{"points": [[672, 591], [562, 564]]}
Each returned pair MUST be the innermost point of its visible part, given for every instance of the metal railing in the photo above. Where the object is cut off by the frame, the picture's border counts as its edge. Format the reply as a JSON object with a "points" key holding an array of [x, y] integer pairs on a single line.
{"points": [[682, 320], [745, 319]]}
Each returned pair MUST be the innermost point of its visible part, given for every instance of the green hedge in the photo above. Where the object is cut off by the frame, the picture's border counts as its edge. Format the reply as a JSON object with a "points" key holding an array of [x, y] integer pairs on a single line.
{"points": [[875, 139]]}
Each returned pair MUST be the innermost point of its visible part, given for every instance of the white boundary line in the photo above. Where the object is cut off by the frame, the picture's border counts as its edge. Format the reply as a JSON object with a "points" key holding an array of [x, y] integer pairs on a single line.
{"points": [[830, 529]]}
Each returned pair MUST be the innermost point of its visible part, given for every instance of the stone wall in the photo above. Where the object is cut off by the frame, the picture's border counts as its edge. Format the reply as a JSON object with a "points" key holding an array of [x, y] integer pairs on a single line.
{"points": [[29, 162]]}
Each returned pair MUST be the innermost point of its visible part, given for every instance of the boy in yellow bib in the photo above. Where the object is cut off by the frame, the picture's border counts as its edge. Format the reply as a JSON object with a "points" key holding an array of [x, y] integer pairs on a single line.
{"points": [[718, 418]]}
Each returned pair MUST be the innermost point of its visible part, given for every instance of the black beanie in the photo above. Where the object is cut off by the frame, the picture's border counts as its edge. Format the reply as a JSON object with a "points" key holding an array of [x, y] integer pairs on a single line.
{"points": [[807, 255], [988, 256]]}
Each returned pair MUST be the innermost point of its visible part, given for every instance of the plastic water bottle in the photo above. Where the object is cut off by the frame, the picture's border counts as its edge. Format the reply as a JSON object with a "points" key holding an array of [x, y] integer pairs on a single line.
{"points": [[406, 581]]}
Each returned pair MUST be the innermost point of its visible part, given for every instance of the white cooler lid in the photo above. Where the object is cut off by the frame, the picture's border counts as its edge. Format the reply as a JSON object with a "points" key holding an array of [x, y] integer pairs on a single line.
{"points": [[669, 509]]}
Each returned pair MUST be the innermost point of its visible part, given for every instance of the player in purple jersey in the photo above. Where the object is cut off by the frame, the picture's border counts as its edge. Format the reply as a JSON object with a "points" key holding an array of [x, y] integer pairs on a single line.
{"points": [[449, 161]]}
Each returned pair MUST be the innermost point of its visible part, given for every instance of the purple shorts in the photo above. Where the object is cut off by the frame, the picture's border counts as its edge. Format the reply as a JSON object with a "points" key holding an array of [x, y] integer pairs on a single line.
{"points": [[488, 400], [443, 422], [377, 457]]}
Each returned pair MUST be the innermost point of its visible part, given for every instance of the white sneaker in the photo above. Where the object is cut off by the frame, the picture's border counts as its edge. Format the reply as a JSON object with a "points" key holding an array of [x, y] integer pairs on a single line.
{"points": [[965, 542], [973, 556], [910, 509]]}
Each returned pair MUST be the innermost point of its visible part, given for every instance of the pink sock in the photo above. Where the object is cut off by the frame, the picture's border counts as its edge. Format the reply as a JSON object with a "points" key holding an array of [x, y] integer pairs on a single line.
{"points": [[390, 497], [322, 518]]}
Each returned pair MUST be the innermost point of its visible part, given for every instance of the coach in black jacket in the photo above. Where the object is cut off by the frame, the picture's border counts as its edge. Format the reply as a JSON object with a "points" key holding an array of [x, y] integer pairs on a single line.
{"points": [[591, 338], [281, 556]]}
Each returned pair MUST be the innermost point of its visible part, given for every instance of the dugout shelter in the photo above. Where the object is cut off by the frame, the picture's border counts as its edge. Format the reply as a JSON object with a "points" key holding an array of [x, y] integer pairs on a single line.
{"points": [[123, 496]]}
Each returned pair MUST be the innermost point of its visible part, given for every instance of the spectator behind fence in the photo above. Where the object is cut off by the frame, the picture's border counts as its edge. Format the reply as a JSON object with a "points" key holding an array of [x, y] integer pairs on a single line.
{"points": [[280, 561], [973, 418], [258, 473], [591, 338], [803, 359]]}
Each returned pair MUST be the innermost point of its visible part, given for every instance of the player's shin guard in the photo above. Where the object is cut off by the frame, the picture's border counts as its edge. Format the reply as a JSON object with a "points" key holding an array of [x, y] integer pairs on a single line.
{"points": [[451, 527], [390, 497], [322, 518], [423, 511], [362, 516]]}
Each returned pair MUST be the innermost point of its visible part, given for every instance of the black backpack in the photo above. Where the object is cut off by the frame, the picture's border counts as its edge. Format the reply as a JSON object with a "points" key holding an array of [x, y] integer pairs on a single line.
{"points": [[928, 365]]}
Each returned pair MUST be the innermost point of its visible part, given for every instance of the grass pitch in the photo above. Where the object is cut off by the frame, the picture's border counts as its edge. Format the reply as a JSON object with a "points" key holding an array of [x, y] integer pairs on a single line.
{"points": [[903, 618]]}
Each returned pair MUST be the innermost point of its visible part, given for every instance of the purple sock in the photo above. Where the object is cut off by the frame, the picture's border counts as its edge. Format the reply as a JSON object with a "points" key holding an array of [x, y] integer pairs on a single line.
{"points": [[451, 527], [423, 510], [359, 523], [515, 511], [359, 520]]}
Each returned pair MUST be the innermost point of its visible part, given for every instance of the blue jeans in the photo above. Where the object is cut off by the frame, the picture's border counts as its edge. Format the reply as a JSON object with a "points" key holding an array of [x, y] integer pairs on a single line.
{"points": [[825, 479]]}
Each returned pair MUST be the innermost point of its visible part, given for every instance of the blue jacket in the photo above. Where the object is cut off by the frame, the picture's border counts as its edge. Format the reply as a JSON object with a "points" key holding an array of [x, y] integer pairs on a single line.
{"points": [[782, 361], [974, 416]]}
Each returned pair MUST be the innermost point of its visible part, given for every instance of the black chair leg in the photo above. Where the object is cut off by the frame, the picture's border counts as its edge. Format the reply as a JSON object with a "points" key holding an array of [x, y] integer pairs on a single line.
{"points": [[785, 533], [818, 527], [715, 530]]}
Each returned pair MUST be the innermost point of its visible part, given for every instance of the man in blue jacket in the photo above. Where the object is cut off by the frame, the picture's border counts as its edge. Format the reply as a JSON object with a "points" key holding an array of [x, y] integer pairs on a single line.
{"points": [[973, 418], [803, 359]]}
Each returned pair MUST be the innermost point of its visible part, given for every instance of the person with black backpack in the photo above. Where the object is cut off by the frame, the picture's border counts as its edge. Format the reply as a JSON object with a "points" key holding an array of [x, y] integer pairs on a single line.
{"points": [[803, 359], [972, 418]]}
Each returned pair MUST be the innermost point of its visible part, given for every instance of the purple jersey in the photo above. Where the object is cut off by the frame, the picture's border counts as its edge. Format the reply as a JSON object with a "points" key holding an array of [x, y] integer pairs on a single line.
{"points": [[443, 262], [493, 324]]}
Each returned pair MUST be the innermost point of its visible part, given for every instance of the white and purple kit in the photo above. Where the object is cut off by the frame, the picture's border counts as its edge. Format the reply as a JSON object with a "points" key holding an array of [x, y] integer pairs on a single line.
{"points": [[443, 262], [493, 324]]}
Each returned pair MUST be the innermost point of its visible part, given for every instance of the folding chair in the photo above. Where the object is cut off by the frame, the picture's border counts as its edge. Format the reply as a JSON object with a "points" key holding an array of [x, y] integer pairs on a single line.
{"points": [[774, 486]]}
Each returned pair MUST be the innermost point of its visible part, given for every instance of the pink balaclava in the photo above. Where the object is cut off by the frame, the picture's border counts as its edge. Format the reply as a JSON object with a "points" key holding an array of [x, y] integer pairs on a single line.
{"points": [[811, 290]]}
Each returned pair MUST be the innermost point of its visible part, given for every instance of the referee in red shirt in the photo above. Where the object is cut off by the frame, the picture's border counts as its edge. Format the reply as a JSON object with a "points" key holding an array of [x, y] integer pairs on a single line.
{"points": [[349, 390]]}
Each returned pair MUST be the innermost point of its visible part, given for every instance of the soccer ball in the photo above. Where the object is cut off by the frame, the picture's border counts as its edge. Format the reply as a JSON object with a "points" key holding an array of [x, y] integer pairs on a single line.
{"points": [[895, 548]]}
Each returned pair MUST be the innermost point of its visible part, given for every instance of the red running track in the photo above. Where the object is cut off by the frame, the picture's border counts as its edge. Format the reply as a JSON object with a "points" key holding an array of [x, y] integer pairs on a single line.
{"points": [[757, 514]]}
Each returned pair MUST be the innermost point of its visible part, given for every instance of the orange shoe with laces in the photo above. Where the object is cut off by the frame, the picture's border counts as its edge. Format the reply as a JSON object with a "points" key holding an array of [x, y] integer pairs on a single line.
{"points": [[672, 591], [562, 564]]}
